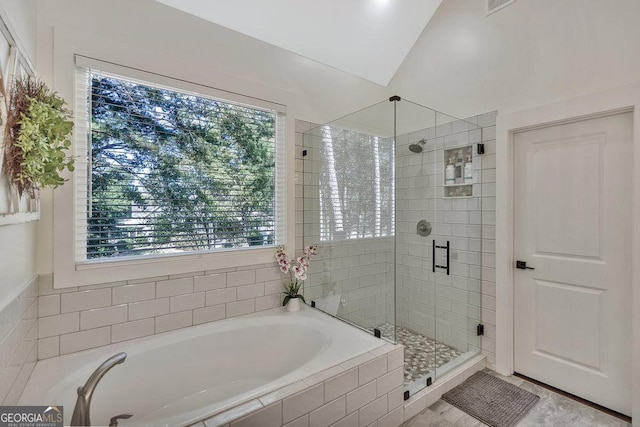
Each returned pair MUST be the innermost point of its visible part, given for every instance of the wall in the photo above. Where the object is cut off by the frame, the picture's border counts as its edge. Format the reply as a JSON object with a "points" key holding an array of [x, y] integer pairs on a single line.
{"points": [[20, 17], [437, 305], [18, 342], [75, 319], [527, 54], [17, 259], [18, 241], [18, 281]]}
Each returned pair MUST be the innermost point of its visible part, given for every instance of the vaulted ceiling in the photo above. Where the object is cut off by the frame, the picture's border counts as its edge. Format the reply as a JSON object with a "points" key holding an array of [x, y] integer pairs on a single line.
{"points": [[367, 38]]}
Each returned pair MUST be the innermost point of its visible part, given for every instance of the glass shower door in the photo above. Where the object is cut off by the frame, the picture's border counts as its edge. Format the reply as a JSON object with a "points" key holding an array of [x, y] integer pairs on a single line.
{"points": [[457, 241], [439, 225], [416, 225], [391, 195]]}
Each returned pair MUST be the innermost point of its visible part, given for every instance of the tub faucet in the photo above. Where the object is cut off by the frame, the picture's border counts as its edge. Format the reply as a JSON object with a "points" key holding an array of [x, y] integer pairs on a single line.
{"points": [[81, 415]]}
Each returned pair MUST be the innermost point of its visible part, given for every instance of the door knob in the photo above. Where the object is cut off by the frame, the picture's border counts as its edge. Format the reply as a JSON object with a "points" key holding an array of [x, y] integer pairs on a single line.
{"points": [[522, 265]]}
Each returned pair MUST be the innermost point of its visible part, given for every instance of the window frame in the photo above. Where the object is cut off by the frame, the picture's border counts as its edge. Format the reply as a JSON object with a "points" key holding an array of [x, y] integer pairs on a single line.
{"points": [[69, 272]]}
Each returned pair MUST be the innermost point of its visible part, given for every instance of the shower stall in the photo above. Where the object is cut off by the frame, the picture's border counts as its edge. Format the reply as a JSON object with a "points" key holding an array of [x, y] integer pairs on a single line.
{"points": [[392, 194]]}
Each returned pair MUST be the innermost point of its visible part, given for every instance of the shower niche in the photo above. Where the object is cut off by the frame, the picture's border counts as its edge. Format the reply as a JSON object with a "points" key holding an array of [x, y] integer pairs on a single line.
{"points": [[368, 179], [458, 172]]}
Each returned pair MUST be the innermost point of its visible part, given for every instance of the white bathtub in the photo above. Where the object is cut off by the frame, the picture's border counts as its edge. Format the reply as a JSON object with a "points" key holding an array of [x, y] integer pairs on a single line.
{"points": [[179, 377]]}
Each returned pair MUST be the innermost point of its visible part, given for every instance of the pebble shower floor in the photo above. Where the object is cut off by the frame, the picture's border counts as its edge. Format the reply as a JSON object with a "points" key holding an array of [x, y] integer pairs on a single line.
{"points": [[421, 354]]}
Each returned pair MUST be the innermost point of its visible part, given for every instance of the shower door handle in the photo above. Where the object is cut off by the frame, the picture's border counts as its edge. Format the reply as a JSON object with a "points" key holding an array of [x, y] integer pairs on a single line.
{"points": [[433, 256]]}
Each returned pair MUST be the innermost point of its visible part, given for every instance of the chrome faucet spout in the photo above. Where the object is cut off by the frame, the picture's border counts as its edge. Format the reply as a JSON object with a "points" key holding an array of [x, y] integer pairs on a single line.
{"points": [[81, 413]]}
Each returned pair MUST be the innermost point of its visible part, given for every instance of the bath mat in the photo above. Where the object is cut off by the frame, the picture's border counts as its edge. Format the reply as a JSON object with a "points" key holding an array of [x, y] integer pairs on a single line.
{"points": [[491, 400]]}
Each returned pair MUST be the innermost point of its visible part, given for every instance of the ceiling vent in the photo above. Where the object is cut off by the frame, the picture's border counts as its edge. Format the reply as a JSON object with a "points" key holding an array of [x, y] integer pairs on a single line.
{"points": [[496, 5]]}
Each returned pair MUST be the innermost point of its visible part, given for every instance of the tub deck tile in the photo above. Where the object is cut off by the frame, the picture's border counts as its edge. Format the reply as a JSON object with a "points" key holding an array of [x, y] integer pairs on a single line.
{"points": [[324, 375], [387, 348], [224, 418], [352, 363], [280, 394], [270, 416]]}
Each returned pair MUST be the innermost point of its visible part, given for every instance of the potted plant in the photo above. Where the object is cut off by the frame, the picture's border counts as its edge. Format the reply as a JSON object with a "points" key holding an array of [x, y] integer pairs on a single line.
{"points": [[297, 275], [36, 137]]}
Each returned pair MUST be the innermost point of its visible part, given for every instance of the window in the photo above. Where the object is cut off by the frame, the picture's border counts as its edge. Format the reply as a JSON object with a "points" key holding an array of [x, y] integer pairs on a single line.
{"points": [[173, 172], [356, 185]]}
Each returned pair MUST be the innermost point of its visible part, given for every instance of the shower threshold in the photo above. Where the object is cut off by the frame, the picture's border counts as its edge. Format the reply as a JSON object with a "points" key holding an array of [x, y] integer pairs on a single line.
{"points": [[422, 355]]}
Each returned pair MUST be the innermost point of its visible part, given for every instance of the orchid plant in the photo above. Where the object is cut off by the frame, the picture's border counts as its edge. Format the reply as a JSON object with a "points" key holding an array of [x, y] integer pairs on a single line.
{"points": [[297, 272]]}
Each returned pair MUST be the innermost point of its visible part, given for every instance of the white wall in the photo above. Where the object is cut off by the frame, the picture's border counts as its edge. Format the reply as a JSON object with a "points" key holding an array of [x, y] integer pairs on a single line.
{"points": [[528, 54], [18, 242], [20, 17], [17, 258]]}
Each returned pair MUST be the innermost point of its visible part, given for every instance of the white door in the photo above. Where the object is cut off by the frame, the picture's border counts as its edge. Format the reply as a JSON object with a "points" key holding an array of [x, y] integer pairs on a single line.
{"points": [[572, 313]]}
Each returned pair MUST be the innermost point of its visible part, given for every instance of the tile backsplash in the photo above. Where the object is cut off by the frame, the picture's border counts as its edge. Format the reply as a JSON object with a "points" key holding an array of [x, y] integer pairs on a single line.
{"points": [[75, 319]]}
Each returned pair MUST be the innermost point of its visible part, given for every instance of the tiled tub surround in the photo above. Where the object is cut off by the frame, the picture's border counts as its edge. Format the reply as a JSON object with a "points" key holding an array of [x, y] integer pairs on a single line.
{"points": [[359, 273], [75, 319], [18, 342], [274, 367], [448, 308]]}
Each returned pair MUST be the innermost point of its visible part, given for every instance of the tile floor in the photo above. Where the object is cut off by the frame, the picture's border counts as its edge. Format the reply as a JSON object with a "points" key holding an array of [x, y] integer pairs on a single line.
{"points": [[421, 354], [552, 410]]}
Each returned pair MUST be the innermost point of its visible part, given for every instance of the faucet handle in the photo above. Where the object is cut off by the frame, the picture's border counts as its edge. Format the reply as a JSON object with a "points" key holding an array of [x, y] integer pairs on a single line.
{"points": [[114, 420]]}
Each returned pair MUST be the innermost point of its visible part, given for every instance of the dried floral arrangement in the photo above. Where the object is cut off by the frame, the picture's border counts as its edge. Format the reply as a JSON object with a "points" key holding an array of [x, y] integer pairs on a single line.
{"points": [[36, 137]]}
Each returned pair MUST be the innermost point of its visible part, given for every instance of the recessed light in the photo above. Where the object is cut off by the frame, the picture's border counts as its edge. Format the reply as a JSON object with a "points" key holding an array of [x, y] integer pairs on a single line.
{"points": [[382, 3]]}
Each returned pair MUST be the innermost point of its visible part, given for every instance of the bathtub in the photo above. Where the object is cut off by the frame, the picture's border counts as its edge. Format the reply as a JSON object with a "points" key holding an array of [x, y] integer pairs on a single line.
{"points": [[180, 377]]}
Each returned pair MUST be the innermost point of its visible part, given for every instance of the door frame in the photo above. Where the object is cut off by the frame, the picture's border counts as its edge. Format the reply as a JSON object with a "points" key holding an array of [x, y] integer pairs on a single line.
{"points": [[621, 99]]}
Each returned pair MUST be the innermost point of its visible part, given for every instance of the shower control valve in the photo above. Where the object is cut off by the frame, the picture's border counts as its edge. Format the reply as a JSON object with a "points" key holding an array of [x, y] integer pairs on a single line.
{"points": [[423, 228]]}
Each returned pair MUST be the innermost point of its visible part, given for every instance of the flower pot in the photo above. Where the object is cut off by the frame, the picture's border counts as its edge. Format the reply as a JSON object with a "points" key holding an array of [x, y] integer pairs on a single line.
{"points": [[293, 304]]}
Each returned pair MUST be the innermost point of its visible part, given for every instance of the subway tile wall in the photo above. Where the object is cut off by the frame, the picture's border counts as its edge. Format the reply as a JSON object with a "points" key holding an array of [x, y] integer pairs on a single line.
{"points": [[18, 343], [75, 319], [448, 307]]}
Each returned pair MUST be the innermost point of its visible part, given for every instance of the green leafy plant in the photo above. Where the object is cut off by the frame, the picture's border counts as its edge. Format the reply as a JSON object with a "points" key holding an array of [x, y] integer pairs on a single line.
{"points": [[36, 137]]}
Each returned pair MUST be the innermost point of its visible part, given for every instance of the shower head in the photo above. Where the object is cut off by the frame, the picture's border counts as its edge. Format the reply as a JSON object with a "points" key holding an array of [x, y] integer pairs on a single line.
{"points": [[417, 147]]}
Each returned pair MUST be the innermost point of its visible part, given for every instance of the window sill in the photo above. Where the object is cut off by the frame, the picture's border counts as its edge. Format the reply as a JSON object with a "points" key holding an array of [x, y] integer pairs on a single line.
{"points": [[99, 272]]}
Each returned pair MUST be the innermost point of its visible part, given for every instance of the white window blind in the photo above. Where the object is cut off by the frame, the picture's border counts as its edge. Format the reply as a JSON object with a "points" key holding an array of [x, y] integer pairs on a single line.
{"points": [[355, 185], [165, 171]]}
